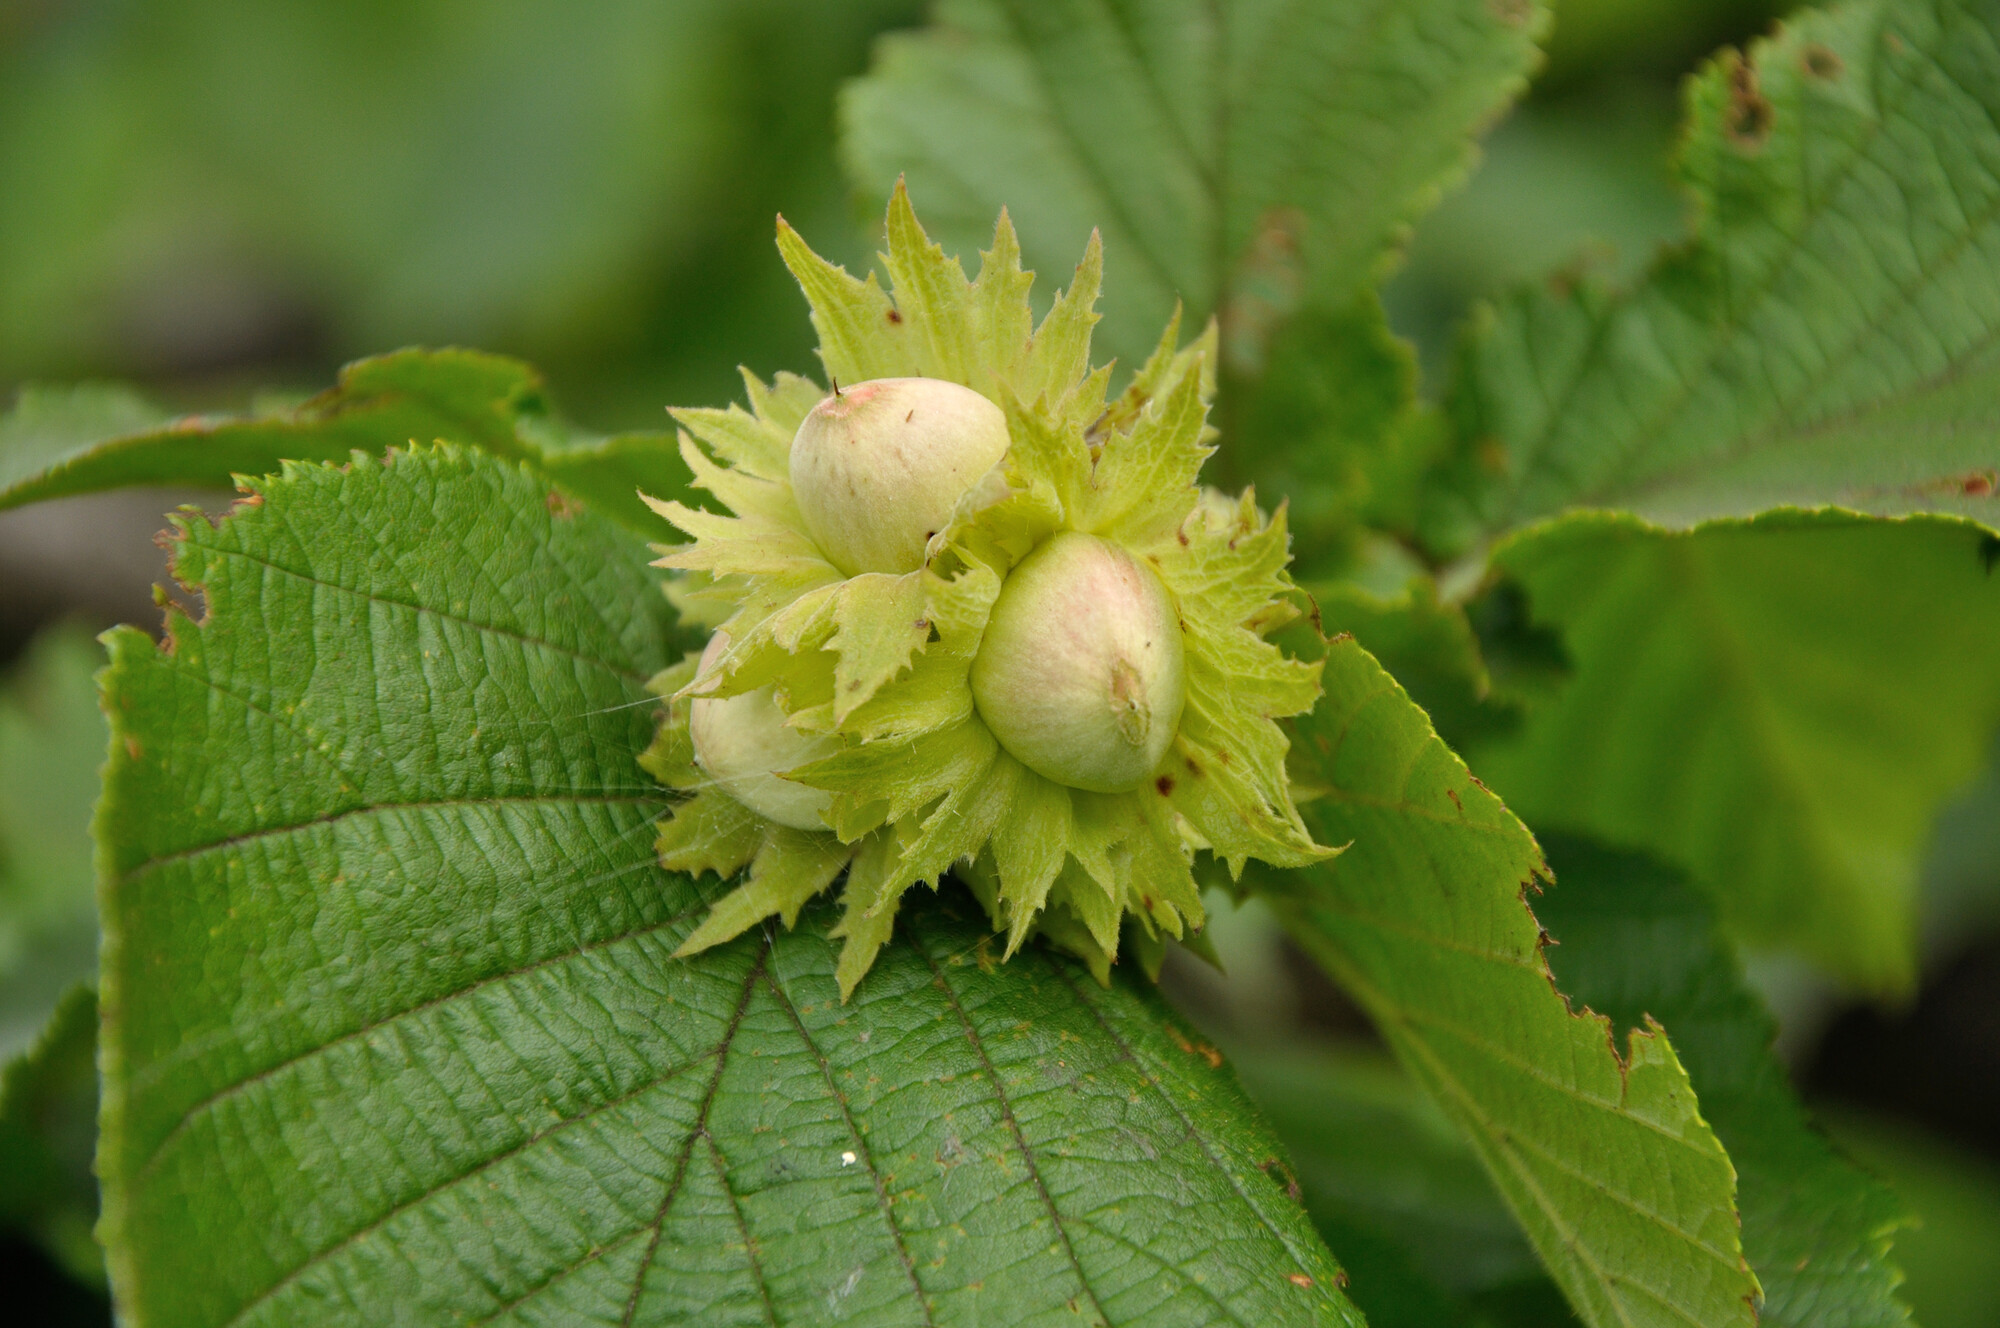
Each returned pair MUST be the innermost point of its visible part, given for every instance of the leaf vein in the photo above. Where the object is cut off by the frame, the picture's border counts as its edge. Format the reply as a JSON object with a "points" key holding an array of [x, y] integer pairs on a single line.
{"points": [[1014, 1125], [361, 1233], [627, 671], [860, 1144], [742, 1225], [586, 797], [243, 1085], [699, 1129]]}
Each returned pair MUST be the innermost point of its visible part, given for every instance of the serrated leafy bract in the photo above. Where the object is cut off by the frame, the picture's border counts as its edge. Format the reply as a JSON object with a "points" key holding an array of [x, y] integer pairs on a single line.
{"points": [[1779, 705], [1633, 941], [1830, 335], [1600, 1150], [58, 442], [394, 1031], [883, 661]]}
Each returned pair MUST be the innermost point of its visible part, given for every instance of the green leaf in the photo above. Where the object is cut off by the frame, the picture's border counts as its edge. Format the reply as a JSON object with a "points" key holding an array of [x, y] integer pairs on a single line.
{"points": [[58, 442], [48, 1128], [52, 740], [1243, 158], [393, 1028], [1780, 706], [1633, 942], [1429, 647], [1256, 162], [1829, 334], [1956, 1195], [1604, 1158]]}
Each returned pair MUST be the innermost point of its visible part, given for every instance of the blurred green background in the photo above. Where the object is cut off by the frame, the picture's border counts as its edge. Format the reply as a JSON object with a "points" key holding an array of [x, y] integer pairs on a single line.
{"points": [[206, 197]]}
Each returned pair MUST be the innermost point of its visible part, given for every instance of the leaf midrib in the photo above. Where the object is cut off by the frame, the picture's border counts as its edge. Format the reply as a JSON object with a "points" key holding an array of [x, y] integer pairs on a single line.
{"points": [[628, 671], [1787, 433], [587, 797]]}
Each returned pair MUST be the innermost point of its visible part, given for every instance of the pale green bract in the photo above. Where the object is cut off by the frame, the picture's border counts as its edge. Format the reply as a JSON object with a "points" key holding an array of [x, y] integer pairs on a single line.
{"points": [[882, 662]]}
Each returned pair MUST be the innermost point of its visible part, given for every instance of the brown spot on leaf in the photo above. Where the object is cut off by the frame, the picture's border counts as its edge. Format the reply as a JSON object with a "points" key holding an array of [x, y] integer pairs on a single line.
{"points": [[1979, 484], [1750, 114], [1193, 769], [561, 506], [132, 748], [895, 316], [1452, 793], [1298, 1279], [1195, 1047], [1165, 784], [1820, 61]]}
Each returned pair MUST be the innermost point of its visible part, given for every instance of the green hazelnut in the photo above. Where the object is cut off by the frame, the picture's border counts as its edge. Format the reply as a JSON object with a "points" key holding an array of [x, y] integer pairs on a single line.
{"points": [[1081, 674], [742, 742], [878, 467]]}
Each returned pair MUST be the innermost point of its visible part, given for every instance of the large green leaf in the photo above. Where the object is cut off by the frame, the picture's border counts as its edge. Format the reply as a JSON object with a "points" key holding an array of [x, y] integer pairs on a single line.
{"points": [[393, 1030], [1779, 705], [1604, 1158], [1632, 941], [62, 441], [1255, 160], [1241, 157], [1831, 332], [52, 740]]}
